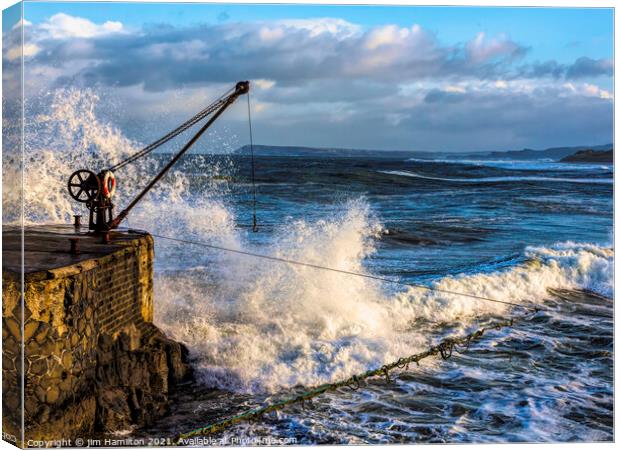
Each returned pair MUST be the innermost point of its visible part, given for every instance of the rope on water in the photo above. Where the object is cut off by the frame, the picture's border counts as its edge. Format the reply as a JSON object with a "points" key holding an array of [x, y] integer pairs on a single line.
{"points": [[445, 349]]}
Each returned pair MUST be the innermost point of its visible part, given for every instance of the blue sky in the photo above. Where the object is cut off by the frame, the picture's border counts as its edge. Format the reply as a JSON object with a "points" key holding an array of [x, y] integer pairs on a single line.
{"points": [[449, 73]]}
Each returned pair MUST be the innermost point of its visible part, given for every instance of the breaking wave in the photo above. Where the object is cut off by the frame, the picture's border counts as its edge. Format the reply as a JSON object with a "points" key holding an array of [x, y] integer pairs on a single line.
{"points": [[502, 179], [268, 326], [526, 165], [254, 326]]}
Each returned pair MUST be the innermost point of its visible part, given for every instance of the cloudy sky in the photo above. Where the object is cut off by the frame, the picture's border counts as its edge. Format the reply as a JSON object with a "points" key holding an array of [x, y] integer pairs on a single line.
{"points": [[407, 78]]}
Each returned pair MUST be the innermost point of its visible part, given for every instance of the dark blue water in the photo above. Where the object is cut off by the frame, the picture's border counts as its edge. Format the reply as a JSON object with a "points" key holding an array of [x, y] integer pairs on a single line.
{"points": [[474, 214]]}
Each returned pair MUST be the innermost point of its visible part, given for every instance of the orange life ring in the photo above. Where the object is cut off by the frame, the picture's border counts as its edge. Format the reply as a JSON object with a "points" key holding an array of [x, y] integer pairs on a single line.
{"points": [[108, 184]]}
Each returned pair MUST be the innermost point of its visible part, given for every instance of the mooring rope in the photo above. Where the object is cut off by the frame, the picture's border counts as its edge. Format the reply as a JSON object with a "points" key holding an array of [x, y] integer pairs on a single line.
{"points": [[348, 272], [445, 349], [254, 223]]}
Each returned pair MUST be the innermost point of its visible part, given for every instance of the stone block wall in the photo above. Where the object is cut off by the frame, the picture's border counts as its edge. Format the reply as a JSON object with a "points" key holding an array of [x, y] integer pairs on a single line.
{"points": [[93, 360], [11, 358]]}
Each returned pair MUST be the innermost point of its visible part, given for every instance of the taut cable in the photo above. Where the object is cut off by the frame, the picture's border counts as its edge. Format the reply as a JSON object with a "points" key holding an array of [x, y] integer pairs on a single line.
{"points": [[347, 272]]}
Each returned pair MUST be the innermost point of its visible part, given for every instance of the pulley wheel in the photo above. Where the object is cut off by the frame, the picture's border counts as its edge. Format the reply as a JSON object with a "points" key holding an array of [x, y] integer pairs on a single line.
{"points": [[84, 186]]}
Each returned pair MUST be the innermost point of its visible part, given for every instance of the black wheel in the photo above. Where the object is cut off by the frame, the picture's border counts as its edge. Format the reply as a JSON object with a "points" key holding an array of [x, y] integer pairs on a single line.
{"points": [[84, 186]]}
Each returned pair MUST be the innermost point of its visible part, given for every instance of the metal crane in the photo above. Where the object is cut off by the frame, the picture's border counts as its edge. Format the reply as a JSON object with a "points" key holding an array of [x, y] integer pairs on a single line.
{"points": [[97, 190]]}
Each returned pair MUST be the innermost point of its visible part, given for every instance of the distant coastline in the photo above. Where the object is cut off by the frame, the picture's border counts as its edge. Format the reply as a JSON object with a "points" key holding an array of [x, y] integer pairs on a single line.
{"points": [[553, 153], [590, 156]]}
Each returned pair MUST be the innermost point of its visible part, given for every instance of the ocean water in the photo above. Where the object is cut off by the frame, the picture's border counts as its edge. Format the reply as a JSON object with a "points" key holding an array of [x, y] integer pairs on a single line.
{"points": [[536, 232]]}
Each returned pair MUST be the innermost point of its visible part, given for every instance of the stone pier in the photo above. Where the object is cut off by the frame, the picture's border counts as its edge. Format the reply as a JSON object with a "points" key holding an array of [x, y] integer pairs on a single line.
{"points": [[92, 360]]}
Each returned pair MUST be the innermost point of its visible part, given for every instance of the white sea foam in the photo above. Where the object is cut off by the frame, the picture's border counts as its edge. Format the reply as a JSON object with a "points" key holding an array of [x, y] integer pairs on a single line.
{"points": [[263, 326], [254, 325], [509, 179], [527, 165]]}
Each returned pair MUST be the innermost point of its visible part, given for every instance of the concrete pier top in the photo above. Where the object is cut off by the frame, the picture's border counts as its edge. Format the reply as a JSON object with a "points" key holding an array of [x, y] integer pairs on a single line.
{"points": [[47, 247]]}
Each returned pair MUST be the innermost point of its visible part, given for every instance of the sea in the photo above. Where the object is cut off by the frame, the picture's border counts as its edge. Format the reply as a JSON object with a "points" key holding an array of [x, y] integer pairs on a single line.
{"points": [[537, 233]]}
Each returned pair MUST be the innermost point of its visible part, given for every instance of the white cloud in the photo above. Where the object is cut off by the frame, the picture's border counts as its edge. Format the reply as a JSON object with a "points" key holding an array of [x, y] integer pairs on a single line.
{"points": [[16, 52], [263, 84], [336, 27], [62, 26], [386, 35], [481, 49], [270, 34], [586, 90], [455, 89], [595, 91]]}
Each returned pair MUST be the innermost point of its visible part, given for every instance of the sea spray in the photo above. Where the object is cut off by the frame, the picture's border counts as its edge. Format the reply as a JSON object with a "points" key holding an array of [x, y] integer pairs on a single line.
{"points": [[255, 326], [274, 324], [63, 133], [282, 326]]}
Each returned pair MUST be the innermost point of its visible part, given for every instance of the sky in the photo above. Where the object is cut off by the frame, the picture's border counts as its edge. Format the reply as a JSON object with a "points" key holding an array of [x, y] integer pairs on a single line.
{"points": [[373, 77]]}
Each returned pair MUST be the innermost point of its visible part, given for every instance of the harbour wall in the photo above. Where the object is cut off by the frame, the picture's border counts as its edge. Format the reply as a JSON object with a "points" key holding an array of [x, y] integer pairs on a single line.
{"points": [[93, 361]]}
